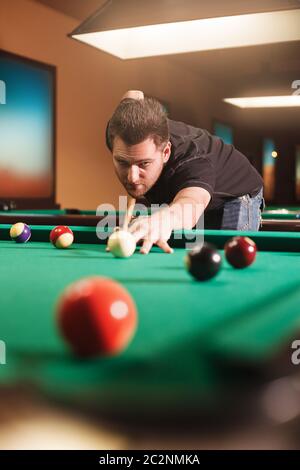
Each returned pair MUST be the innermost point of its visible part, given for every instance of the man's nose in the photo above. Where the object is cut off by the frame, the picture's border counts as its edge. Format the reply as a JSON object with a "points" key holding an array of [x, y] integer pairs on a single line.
{"points": [[133, 174]]}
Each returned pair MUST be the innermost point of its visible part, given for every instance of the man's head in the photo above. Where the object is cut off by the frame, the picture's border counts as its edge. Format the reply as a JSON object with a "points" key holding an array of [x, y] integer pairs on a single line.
{"points": [[138, 137]]}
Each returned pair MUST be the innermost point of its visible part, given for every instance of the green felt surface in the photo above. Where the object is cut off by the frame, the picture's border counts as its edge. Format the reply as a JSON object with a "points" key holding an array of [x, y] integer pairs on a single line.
{"points": [[185, 328]]}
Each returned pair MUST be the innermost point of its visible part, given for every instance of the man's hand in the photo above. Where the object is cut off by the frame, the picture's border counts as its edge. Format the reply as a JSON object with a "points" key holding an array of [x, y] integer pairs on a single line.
{"points": [[155, 229], [182, 214]]}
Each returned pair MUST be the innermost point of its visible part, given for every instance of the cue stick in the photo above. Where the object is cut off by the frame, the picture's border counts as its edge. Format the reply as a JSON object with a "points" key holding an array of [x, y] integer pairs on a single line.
{"points": [[128, 216], [129, 212]]}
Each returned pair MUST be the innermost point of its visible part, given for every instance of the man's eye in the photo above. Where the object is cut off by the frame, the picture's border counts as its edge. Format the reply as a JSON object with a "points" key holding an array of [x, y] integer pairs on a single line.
{"points": [[144, 165], [122, 163]]}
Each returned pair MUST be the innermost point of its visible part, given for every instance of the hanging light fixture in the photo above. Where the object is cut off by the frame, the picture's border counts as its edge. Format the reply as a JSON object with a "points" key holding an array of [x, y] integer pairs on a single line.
{"points": [[288, 101], [142, 28]]}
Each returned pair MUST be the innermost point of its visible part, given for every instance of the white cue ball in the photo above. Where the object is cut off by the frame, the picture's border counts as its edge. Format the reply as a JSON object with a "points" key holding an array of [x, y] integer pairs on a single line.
{"points": [[121, 244]]}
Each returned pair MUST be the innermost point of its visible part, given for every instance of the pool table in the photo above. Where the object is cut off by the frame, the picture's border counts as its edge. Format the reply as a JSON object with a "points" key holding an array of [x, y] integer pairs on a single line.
{"points": [[272, 219], [281, 218], [200, 347]]}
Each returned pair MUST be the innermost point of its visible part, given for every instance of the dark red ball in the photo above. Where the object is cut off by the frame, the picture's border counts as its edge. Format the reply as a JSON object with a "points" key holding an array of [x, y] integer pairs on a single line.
{"points": [[240, 252]]}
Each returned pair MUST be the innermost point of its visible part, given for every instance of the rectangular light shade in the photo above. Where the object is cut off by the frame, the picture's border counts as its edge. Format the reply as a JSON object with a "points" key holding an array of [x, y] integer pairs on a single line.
{"points": [[265, 101], [196, 35]]}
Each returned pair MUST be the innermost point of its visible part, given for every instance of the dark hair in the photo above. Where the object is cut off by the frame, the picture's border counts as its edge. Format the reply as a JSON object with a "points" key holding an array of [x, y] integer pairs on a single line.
{"points": [[136, 120]]}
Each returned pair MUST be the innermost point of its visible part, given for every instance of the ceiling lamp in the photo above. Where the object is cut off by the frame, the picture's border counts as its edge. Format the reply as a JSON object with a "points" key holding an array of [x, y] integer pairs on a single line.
{"points": [[265, 101], [136, 28]]}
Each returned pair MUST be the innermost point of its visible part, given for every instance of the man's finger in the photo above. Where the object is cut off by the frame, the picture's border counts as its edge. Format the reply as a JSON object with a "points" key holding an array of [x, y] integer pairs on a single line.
{"points": [[164, 246], [146, 247], [139, 232]]}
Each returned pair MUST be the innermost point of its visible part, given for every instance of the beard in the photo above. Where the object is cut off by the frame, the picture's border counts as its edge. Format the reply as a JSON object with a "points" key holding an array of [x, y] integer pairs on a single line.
{"points": [[138, 191], [141, 189]]}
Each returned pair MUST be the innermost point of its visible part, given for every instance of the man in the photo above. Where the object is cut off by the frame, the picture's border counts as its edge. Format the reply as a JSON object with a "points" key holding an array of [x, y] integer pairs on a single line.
{"points": [[160, 161]]}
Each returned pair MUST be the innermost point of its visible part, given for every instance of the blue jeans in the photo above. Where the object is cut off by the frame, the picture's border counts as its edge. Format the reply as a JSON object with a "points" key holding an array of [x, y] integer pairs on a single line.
{"points": [[243, 213]]}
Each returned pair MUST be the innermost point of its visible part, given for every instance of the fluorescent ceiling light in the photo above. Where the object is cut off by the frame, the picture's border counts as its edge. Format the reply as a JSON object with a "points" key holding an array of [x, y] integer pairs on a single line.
{"points": [[265, 101], [177, 37]]}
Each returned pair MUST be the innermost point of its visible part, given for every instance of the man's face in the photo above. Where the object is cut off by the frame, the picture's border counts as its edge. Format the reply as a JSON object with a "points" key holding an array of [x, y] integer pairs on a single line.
{"points": [[139, 166]]}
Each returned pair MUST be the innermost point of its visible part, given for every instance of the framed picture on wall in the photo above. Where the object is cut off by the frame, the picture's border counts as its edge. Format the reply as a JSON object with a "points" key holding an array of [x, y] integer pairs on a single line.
{"points": [[27, 132]]}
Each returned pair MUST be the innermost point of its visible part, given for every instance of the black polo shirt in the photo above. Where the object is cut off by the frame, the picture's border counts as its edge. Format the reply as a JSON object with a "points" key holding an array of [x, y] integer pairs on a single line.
{"points": [[203, 160]]}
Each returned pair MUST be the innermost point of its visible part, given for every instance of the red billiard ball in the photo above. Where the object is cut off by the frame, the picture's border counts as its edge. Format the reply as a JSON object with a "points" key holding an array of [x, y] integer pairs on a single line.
{"points": [[240, 252], [97, 317], [61, 236]]}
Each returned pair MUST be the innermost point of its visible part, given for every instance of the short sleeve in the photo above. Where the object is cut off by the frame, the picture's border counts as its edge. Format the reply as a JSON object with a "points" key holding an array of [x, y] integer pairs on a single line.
{"points": [[196, 171]]}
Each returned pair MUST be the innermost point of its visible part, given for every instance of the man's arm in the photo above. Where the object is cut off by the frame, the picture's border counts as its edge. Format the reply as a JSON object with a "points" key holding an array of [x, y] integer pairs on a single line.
{"points": [[188, 206]]}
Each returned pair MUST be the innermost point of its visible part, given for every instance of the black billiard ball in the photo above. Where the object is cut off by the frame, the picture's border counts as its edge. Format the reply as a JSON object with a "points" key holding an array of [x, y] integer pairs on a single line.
{"points": [[203, 262], [240, 252]]}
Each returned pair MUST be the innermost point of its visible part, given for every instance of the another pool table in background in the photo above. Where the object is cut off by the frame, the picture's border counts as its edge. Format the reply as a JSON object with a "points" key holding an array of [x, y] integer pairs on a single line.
{"points": [[272, 219]]}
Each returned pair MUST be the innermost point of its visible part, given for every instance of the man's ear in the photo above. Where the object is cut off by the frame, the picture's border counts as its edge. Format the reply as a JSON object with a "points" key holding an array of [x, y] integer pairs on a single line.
{"points": [[167, 152]]}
